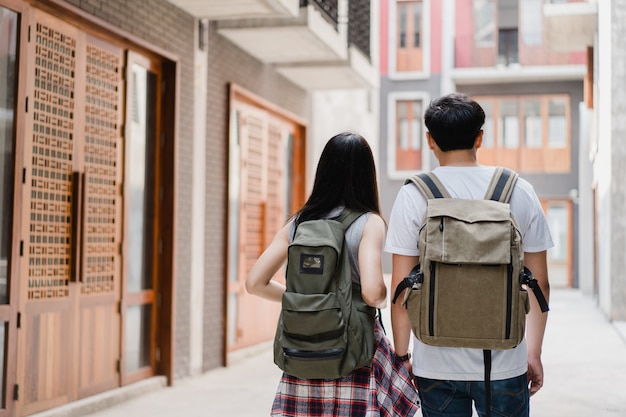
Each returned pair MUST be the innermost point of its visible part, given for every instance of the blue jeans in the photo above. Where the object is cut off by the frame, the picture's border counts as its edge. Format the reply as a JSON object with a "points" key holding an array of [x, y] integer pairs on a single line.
{"points": [[509, 397]]}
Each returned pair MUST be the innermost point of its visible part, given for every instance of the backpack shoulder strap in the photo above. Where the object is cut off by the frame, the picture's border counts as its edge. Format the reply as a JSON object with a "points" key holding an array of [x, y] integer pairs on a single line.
{"points": [[429, 185], [501, 185], [348, 216]]}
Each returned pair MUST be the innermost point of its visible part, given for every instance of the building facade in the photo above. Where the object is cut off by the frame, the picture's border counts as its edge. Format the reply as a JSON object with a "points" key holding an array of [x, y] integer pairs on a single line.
{"points": [[496, 51], [150, 150], [599, 26]]}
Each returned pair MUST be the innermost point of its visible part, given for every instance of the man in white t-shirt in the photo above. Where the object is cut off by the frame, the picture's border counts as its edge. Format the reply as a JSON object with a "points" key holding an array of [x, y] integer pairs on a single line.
{"points": [[449, 380]]}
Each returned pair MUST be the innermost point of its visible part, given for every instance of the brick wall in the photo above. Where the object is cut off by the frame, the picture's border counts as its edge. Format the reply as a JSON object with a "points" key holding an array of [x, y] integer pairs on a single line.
{"points": [[229, 64]]}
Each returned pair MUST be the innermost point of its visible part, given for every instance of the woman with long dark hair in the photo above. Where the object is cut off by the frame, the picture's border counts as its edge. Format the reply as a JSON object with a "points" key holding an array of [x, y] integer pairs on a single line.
{"points": [[345, 179]]}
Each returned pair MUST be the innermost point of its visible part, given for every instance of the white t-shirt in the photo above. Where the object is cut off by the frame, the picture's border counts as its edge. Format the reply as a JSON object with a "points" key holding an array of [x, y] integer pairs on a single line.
{"points": [[402, 236]]}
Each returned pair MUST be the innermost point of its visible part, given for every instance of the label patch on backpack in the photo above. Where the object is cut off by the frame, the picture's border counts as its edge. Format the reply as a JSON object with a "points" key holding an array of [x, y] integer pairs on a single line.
{"points": [[311, 264]]}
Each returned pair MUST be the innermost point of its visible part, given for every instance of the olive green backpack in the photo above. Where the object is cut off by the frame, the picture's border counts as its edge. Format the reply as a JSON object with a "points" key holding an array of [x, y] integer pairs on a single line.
{"points": [[325, 329]]}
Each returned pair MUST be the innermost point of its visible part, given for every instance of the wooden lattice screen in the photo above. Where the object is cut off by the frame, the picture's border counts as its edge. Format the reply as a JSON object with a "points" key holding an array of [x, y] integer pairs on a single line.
{"points": [[102, 171], [53, 106]]}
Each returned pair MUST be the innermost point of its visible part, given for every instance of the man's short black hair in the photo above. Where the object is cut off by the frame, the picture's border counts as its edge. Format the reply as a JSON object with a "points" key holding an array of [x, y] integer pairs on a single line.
{"points": [[454, 121]]}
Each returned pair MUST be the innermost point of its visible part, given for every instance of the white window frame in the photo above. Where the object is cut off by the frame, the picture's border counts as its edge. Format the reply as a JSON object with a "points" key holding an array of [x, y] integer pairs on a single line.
{"points": [[425, 39], [392, 99]]}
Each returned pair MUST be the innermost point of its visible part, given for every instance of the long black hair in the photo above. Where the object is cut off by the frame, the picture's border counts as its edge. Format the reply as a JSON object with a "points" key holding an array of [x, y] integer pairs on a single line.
{"points": [[345, 176]]}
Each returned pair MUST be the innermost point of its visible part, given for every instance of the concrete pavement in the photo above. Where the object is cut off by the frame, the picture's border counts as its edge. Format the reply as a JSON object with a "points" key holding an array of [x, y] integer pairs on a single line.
{"points": [[584, 360]]}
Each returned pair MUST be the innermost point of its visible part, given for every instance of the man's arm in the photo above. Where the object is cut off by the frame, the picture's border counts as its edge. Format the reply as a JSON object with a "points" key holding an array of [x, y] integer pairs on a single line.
{"points": [[401, 266], [536, 320]]}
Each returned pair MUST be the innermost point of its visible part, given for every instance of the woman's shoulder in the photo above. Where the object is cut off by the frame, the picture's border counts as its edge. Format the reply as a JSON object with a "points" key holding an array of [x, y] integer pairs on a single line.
{"points": [[374, 221]]}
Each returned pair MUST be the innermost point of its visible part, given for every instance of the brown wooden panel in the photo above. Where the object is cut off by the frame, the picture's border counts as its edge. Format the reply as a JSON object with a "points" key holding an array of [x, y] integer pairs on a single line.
{"points": [[99, 346], [46, 380]]}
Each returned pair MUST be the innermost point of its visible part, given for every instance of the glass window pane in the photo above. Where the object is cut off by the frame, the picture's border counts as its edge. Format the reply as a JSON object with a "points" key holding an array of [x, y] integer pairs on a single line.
{"points": [[417, 24], [139, 180], [416, 135], [485, 22], [9, 22], [137, 337], [404, 134], [509, 124], [402, 25], [489, 127], [557, 123], [416, 126], [403, 125], [532, 124]]}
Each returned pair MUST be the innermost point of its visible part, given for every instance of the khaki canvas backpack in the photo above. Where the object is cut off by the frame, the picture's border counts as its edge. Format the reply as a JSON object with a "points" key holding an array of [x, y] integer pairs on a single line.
{"points": [[325, 329], [468, 289]]}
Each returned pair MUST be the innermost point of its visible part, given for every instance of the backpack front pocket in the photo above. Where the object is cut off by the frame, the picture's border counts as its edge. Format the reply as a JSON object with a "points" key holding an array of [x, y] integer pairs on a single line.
{"points": [[313, 336], [313, 322]]}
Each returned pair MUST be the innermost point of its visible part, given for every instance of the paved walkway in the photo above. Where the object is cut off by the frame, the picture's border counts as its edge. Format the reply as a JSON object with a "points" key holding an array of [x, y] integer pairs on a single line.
{"points": [[584, 359]]}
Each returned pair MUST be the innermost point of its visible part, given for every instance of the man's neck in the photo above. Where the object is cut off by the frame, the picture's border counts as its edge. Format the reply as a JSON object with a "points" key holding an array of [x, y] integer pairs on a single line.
{"points": [[460, 158]]}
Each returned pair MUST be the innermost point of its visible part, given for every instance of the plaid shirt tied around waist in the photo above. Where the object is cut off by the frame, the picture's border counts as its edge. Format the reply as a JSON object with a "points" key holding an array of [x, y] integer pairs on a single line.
{"points": [[382, 389]]}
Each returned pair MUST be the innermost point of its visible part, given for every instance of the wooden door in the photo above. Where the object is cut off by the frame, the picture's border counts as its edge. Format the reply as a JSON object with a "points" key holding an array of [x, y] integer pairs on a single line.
{"points": [[267, 171], [68, 344]]}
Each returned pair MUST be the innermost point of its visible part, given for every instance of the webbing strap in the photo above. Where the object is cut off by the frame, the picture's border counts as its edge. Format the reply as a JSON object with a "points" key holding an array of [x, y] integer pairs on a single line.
{"points": [[501, 185], [407, 282], [487, 359], [429, 185]]}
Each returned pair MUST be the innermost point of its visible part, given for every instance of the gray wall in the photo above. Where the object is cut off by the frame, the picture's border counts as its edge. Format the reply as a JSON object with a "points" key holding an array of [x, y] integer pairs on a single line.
{"points": [[618, 155], [388, 188]]}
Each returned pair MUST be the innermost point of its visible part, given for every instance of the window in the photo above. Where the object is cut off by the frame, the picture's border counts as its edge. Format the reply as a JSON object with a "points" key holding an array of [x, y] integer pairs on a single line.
{"points": [[484, 18], [532, 123], [409, 36], [509, 124], [532, 132], [508, 50], [557, 123], [406, 134]]}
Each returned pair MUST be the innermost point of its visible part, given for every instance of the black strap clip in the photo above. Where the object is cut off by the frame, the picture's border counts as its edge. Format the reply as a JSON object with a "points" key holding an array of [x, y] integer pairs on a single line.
{"points": [[415, 277], [526, 278]]}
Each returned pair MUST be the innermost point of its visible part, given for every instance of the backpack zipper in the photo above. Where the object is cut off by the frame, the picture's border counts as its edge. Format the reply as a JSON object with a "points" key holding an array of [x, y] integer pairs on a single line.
{"points": [[509, 299], [431, 301], [313, 355]]}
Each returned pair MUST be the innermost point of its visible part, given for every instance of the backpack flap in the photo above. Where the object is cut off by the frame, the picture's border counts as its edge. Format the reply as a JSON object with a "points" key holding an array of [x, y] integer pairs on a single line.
{"points": [[467, 232]]}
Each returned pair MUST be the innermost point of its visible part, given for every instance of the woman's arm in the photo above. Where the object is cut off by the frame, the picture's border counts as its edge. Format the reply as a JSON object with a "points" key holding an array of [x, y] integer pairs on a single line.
{"points": [[373, 286], [259, 281]]}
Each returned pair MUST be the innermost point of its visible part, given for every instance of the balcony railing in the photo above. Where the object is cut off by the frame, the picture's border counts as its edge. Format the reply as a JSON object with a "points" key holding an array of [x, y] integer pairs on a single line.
{"points": [[359, 23], [329, 9]]}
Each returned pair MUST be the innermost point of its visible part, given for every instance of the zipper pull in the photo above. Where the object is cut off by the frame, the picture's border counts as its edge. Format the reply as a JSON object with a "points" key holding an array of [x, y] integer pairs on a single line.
{"points": [[441, 225]]}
